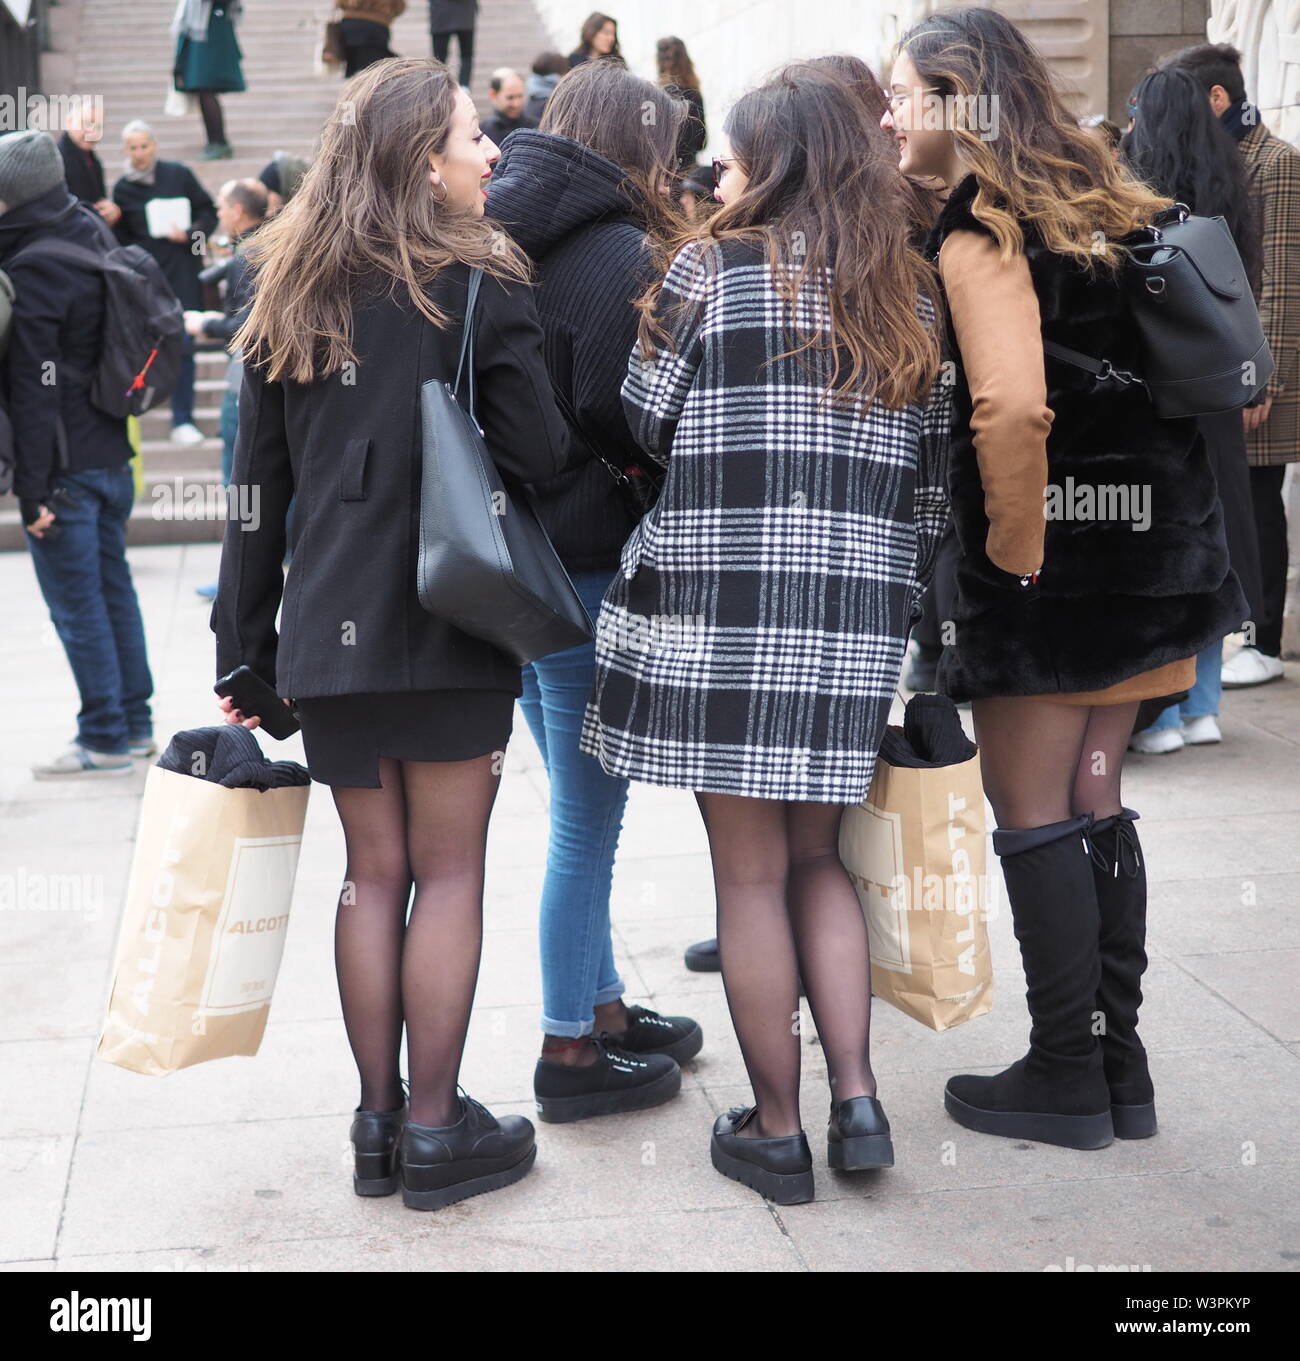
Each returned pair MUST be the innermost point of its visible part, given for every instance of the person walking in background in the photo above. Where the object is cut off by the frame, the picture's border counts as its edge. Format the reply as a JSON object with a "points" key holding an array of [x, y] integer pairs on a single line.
{"points": [[582, 197], [208, 63], [405, 717], [241, 209], [677, 76], [82, 167], [366, 28], [506, 92], [450, 19], [598, 39], [1061, 626], [179, 253], [1273, 427], [547, 70], [793, 398], [1178, 147], [71, 471]]}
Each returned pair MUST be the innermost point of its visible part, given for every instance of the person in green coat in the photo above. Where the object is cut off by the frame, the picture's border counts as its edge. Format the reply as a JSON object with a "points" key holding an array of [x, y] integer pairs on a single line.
{"points": [[208, 63]]}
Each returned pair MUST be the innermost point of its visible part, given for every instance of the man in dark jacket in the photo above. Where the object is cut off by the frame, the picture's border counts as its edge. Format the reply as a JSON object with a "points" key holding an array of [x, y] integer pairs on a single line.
{"points": [[506, 92], [179, 253], [242, 207], [81, 164], [71, 474]]}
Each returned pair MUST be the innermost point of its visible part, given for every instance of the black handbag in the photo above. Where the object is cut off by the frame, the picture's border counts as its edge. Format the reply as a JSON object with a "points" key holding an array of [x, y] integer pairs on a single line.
{"points": [[485, 563], [1203, 347]]}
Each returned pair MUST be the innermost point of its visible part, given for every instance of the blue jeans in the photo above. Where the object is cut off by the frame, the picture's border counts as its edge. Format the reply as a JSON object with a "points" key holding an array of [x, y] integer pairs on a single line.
{"points": [[84, 577], [183, 395], [1204, 696], [587, 805], [229, 429]]}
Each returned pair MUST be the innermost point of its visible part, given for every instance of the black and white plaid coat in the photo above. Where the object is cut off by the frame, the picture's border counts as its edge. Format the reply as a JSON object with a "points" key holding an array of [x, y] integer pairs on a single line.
{"points": [[752, 642]]}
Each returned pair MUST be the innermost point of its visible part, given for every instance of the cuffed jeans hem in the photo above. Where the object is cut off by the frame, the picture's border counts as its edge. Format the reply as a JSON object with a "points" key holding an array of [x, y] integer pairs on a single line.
{"points": [[610, 994], [567, 1030]]}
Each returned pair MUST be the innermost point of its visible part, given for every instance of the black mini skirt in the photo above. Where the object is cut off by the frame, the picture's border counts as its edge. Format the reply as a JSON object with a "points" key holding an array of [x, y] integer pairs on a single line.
{"points": [[344, 736]]}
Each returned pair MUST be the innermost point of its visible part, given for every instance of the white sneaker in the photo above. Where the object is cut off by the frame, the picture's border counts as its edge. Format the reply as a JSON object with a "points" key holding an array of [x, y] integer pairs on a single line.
{"points": [[79, 760], [187, 434], [141, 748], [1157, 741], [1199, 731], [1250, 666]]}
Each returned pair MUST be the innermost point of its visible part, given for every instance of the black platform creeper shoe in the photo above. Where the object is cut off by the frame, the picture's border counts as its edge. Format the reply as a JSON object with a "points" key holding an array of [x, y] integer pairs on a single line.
{"points": [[376, 1140], [779, 1169], [442, 1164], [857, 1136]]}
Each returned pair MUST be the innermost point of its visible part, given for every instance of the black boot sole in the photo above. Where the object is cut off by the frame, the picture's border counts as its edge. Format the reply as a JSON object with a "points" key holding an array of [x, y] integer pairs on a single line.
{"points": [[375, 1174], [560, 1110], [1134, 1122], [782, 1188], [1066, 1131], [860, 1153], [439, 1197]]}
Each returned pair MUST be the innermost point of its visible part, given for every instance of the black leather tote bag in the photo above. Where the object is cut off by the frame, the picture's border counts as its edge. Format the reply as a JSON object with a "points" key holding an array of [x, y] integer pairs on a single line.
{"points": [[485, 563]]}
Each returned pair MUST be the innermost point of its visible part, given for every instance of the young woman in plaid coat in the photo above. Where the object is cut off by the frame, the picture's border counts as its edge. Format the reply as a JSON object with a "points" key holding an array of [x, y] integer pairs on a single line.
{"points": [[751, 644]]}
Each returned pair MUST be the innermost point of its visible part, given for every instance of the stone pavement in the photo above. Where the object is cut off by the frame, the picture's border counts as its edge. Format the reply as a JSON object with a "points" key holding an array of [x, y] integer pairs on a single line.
{"points": [[242, 1164]]}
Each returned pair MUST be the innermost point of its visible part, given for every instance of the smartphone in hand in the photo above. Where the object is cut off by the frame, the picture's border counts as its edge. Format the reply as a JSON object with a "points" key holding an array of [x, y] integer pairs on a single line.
{"points": [[254, 698]]}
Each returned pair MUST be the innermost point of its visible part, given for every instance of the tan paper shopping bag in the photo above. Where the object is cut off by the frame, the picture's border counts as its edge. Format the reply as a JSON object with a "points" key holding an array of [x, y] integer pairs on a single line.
{"points": [[204, 925], [915, 851]]}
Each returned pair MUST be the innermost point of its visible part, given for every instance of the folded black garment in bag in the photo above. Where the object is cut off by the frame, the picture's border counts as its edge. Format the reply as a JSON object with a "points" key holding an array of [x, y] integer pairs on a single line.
{"points": [[228, 754], [931, 736]]}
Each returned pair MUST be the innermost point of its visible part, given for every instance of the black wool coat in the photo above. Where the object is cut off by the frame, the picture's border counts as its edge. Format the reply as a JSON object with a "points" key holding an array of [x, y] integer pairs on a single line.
{"points": [[566, 206], [347, 449], [83, 171], [1111, 601], [180, 261]]}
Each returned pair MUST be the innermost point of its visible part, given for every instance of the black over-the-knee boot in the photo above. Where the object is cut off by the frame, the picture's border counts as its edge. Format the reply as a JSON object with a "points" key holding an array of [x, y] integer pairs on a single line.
{"points": [[1057, 1093], [1122, 901]]}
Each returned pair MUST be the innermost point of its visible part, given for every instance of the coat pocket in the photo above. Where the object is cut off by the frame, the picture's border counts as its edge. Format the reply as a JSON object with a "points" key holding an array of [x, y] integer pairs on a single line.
{"points": [[352, 473]]}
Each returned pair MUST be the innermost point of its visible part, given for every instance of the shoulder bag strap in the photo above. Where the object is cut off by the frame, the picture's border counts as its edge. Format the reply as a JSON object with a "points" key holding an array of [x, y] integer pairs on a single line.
{"points": [[467, 343], [1099, 368]]}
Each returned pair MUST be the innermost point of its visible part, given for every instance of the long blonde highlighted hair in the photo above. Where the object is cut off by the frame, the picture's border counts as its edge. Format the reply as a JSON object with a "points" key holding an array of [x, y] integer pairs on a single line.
{"points": [[365, 211]]}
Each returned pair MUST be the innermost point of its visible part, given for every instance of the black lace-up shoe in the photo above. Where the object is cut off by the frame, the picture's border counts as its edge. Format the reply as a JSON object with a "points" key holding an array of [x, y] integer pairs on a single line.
{"points": [[376, 1137], [857, 1136], [649, 1033], [617, 1081], [779, 1169], [444, 1164]]}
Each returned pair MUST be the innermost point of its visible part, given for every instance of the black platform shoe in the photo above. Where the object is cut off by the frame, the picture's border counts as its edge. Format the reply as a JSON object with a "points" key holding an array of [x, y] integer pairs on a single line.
{"points": [[447, 1163], [1057, 1093], [703, 957], [857, 1136], [649, 1033], [779, 1169], [617, 1082], [376, 1140], [1122, 900]]}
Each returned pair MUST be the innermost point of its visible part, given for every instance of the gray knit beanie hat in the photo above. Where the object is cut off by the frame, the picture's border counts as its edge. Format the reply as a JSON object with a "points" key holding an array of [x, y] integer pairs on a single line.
{"points": [[30, 165]]}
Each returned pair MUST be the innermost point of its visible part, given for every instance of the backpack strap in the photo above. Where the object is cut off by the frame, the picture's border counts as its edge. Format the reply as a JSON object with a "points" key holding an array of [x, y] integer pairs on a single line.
{"points": [[1101, 369]]}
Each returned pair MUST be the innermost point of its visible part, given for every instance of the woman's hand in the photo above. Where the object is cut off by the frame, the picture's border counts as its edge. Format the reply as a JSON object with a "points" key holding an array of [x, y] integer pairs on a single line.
{"points": [[233, 715]]}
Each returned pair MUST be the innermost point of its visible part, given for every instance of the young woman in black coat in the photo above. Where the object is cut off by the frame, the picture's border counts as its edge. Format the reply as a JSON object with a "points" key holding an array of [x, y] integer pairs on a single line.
{"points": [[360, 297], [581, 195], [1178, 146], [1065, 620]]}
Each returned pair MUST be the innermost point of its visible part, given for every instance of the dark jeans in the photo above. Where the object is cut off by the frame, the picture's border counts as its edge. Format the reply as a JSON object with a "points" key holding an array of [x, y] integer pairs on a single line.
{"points": [[464, 44], [364, 43], [183, 396], [84, 577], [1270, 529]]}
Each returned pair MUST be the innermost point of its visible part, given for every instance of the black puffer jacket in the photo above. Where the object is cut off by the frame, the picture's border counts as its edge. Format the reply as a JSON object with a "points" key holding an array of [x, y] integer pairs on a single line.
{"points": [[567, 208], [1110, 603]]}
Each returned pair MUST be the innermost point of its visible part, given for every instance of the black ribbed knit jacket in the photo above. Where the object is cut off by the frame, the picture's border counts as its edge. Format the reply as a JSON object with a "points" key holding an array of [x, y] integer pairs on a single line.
{"points": [[567, 208]]}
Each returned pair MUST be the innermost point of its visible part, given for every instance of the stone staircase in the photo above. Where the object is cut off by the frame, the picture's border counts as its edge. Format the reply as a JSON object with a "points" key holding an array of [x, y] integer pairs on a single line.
{"points": [[124, 54]]}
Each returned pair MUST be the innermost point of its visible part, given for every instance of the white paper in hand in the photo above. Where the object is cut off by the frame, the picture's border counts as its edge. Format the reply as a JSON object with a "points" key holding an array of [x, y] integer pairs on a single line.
{"points": [[164, 215]]}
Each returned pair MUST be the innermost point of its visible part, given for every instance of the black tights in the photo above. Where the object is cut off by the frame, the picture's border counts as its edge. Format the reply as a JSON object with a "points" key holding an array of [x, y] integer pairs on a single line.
{"points": [[786, 907], [1044, 762], [427, 829], [214, 122]]}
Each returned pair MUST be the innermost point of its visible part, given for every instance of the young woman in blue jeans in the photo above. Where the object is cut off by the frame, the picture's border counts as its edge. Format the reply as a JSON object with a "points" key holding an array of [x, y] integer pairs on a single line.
{"points": [[581, 195]]}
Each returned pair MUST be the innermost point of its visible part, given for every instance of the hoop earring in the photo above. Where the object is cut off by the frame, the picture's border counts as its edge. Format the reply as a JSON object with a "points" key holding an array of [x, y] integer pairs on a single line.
{"points": [[443, 199]]}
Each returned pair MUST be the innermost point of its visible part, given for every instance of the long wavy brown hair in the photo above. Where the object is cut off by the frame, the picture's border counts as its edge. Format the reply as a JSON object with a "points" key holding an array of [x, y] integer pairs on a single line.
{"points": [[364, 214], [1040, 167], [675, 65], [628, 121], [824, 200]]}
